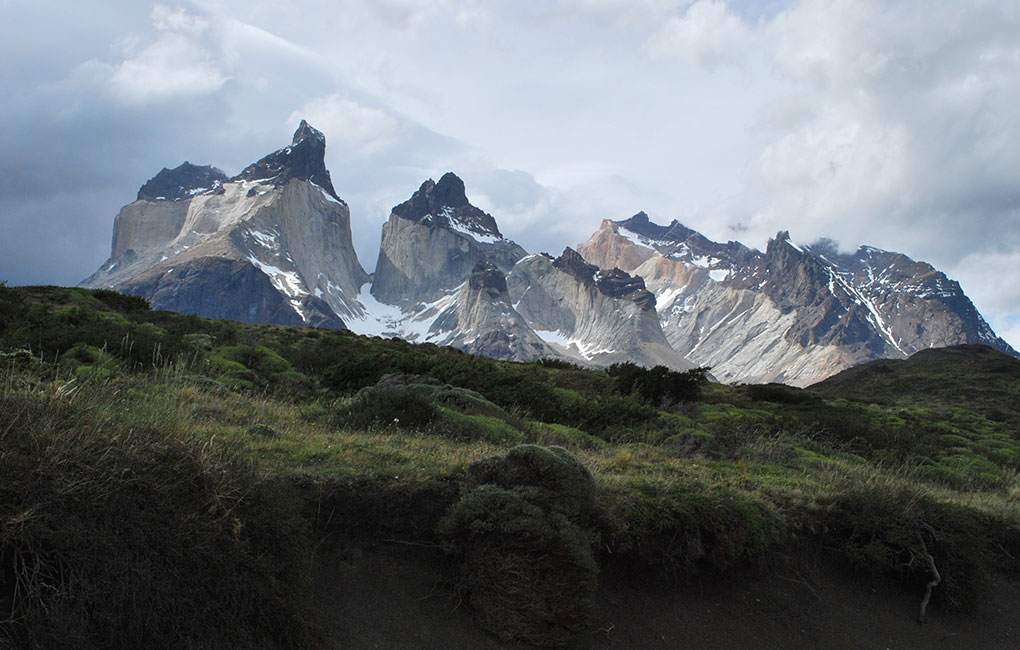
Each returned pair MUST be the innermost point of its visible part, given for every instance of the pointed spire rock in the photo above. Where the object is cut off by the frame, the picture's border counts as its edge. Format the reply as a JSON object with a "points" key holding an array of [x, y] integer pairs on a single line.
{"points": [[304, 159], [306, 131], [450, 191], [445, 204]]}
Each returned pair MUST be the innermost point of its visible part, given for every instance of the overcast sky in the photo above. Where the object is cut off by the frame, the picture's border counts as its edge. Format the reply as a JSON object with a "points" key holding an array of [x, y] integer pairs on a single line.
{"points": [[894, 124]]}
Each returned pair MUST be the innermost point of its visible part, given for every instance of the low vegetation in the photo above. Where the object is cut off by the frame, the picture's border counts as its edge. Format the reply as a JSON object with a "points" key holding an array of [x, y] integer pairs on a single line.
{"points": [[167, 478]]}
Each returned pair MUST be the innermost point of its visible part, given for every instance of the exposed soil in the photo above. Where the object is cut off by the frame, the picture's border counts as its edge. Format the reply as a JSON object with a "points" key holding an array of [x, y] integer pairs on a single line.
{"points": [[397, 596]]}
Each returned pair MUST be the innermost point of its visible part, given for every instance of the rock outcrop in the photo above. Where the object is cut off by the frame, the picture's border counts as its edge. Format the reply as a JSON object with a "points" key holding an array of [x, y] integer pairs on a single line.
{"points": [[793, 314], [482, 321], [602, 316], [278, 222], [431, 243]]}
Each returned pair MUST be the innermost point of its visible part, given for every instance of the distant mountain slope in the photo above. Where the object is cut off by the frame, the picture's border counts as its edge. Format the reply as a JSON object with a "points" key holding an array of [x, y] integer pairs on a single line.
{"points": [[604, 317], [270, 245], [793, 314], [446, 275], [273, 244], [983, 379]]}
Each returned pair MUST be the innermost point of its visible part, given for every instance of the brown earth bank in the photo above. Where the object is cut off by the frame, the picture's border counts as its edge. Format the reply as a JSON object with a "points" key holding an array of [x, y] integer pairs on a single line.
{"points": [[389, 594]]}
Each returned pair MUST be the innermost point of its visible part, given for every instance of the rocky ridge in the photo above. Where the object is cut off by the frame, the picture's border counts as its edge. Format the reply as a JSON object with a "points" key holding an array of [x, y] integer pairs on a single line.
{"points": [[792, 314], [604, 317], [273, 245], [431, 243], [278, 221], [446, 275]]}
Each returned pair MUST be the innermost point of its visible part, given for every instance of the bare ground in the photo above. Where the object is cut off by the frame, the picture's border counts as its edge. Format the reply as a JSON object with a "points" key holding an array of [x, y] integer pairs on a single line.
{"points": [[396, 596]]}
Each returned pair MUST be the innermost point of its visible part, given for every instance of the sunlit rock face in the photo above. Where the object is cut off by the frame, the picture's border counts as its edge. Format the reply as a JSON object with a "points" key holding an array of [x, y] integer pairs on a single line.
{"points": [[793, 314], [431, 243], [601, 316], [280, 233]]}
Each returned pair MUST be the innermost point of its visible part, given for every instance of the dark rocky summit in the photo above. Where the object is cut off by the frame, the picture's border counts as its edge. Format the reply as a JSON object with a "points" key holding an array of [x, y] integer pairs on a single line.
{"points": [[304, 159], [444, 204], [571, 263], [433, 241], [613, 282], [181, 182]]}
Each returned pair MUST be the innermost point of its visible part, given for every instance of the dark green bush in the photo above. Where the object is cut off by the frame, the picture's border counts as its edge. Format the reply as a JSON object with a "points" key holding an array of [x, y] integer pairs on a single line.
{"points": [[781, 394], [550, 477], [528, 573], [677, 531], [402, 407], [121, 302], [890, 531], [658, 385], [520, 531]]}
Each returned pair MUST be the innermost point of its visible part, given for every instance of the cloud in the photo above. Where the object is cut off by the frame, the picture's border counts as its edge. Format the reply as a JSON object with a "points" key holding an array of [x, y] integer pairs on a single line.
{"points": [[884, 133], [706, 33], [180, 63], [356, 128]]}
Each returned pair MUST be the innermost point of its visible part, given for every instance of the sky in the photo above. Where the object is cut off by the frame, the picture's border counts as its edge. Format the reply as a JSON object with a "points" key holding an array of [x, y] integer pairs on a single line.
{"points": [[892, 124]]}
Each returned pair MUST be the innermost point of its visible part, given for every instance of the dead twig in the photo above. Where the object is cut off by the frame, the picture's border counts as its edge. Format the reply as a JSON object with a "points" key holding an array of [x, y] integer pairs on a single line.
{"points": [[935, 580]]}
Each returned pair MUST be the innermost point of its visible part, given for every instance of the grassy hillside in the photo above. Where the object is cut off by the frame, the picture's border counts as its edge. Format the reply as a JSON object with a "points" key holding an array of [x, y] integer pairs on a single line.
{"points": [[974, 377], [211, 458]]}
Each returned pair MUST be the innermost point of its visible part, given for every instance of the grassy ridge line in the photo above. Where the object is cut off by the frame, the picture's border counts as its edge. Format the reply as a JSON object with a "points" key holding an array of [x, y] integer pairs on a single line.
{"points": [[695, 487]]}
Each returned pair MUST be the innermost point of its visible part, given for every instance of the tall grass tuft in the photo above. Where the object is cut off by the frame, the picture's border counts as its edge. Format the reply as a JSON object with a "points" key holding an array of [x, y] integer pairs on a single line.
{"points": [[119, 531]]}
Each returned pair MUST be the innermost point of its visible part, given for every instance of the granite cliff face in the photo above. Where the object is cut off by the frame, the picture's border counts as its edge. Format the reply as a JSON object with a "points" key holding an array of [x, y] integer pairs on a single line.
{"points": [[481, 320], [793, 314], [431, 243], [279, 222], [273, 245], [603, 317]]}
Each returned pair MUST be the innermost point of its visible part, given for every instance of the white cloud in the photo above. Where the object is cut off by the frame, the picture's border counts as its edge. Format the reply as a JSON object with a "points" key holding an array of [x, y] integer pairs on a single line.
{"points": [[706, 33], [354, 128], [181, 62]]}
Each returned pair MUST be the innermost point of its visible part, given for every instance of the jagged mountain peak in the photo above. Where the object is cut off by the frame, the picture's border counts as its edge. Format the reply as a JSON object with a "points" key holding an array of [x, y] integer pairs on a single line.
{"points": [[182, 182], [450, 191], [658, 236], [445, 205], [611, 282], [306, 131], [303, 159], [571, 262]]}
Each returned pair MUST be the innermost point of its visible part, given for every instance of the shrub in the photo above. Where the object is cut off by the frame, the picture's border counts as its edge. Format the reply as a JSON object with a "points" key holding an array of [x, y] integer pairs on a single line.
{"points": [[121, 301], [658, 385], [459, 426], [889, 530], [528, 573], [520, 533], [550, 477], [385, 406], [677, 531]]}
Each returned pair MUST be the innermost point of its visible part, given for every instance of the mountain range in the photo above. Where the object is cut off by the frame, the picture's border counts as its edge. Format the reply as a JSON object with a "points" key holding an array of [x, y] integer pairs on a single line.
{"points": [[273, 245]]}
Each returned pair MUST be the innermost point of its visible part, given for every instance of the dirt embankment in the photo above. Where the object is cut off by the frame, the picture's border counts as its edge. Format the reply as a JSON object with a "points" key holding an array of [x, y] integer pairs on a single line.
{"points": [[397, 596]]}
